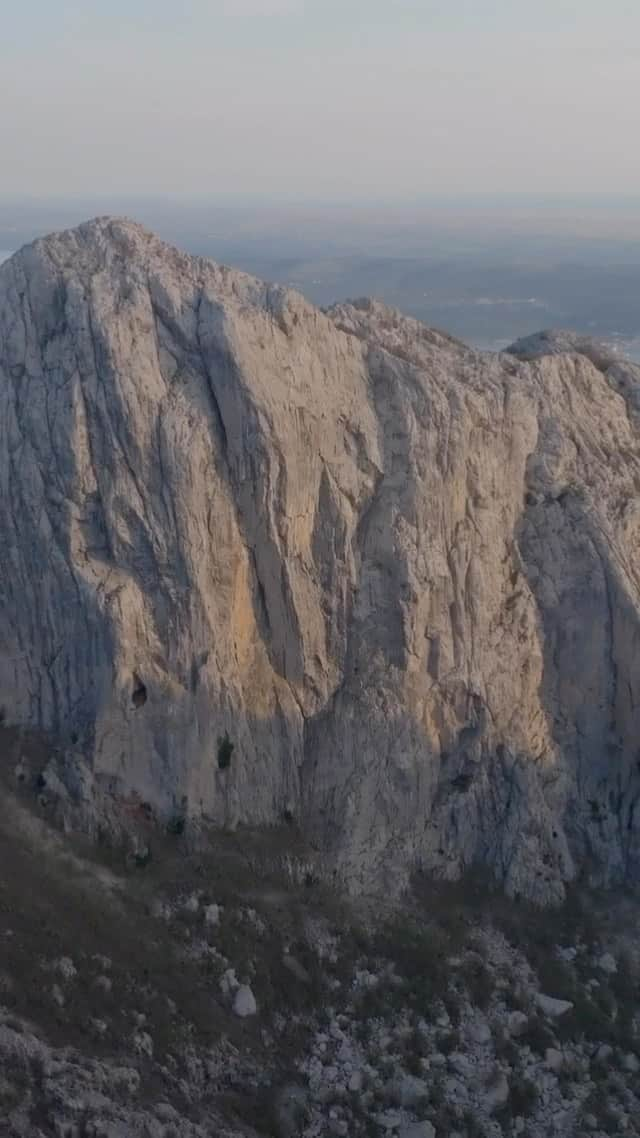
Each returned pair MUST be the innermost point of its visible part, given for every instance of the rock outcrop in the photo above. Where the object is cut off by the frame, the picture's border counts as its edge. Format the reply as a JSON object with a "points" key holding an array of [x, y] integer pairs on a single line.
{"points": [[261, 561]]}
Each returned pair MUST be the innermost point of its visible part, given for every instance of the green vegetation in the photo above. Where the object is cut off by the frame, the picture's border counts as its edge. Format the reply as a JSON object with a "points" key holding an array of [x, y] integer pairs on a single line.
{"points": [[176, 825], [523, 1099], [225, 751]]}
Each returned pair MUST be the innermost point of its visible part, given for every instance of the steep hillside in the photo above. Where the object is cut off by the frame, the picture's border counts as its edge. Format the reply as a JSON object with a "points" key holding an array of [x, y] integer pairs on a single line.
{"points": [[217, 989]]}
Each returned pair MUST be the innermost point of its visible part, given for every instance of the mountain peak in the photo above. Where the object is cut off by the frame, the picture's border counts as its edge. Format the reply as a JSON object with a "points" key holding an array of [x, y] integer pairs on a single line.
{"points": [[262, 561]]}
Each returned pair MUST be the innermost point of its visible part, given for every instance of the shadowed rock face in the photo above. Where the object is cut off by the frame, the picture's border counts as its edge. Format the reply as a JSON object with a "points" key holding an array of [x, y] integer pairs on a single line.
{"points": [[258, 559]]}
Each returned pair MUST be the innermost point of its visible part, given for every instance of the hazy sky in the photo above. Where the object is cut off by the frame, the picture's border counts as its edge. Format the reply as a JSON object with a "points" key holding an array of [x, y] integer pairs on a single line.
{"points": [[319, 98]]}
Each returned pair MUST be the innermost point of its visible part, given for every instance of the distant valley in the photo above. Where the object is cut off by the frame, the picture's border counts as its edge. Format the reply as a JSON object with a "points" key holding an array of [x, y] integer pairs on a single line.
{"points": [[487, 272]]}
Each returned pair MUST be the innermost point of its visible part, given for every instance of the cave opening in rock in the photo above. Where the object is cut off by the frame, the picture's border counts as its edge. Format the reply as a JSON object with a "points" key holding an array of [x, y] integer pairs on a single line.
{"points": [[139, 693], [225, 751]]}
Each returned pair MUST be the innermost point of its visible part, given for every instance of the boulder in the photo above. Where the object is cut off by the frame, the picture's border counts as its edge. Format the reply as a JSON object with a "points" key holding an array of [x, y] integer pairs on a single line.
{"points": [[244, 1002], [229, 982], [410, 1091], [607, 963], [517, 1023], [497, 1092], [552, 1007], [554, 1059], [478, 1031]]}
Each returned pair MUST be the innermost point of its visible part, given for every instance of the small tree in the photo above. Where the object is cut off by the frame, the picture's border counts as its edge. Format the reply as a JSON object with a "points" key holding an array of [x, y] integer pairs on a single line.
{"points": [[225, 751]]}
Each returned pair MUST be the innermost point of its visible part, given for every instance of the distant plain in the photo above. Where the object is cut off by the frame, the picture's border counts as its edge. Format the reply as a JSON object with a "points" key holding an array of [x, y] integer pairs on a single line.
{"points": [[486, 270]]}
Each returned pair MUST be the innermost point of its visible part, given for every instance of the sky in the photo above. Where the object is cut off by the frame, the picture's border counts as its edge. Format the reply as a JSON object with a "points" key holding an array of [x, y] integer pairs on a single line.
{"points": [[340, 100]]}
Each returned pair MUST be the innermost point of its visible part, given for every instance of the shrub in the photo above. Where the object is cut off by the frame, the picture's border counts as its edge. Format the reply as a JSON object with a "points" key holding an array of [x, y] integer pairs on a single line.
{"points": [[417, 1048], [139, 692], [420, 956], [378, 1002], [225, 751], [556, 977], [478, 981], [176, 825], [523, 1098], [538, 1036], [142, 857], [599, 1103], [448, 1041], [451, 1003], [506, 1049], [472, 1125]]}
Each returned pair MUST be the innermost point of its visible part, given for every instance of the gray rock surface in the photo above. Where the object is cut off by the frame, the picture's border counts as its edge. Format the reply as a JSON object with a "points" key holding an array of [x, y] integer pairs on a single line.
{"points": [[260, 560], [552, 1007], [417, 1130], [607, 963], [244, 1002]]}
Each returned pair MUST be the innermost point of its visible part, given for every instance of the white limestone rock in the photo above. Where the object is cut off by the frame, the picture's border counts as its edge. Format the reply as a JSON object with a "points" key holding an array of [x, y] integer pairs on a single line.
{"points": [[143, 1044], [552, 1007], [66, 968], [607, 963], [331, 564], [417, 1130], [296, 968], [479, 1032], [410, 1091], [603, 1054], [497, 1092], [389, 1120], [57, 995], [244, 1002], [517, 1023], [229, 982], [554, 1059]]}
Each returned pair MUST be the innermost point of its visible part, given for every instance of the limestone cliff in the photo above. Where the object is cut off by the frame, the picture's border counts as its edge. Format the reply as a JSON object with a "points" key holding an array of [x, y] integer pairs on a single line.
{"points": [[260, 560]]}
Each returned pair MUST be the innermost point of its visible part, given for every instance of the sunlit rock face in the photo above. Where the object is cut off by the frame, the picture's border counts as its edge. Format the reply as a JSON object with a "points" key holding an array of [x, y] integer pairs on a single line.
{"points": [[263, 561]]}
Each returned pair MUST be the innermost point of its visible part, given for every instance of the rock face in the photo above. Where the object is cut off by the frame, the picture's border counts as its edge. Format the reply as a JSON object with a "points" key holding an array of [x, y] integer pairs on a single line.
{"points": [[260, 560]]}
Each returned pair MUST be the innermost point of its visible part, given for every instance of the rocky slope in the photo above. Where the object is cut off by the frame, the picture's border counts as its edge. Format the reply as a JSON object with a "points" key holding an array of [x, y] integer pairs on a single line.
{"points": [[264, 562], [214, 992]]}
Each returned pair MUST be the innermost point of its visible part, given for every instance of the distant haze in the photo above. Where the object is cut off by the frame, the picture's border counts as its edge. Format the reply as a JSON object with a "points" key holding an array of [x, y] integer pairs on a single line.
{"points": [[488, 270], [319, 99]]}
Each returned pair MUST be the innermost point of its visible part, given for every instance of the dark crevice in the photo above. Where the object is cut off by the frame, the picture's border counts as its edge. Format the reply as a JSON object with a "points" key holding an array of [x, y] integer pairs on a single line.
{"points": [[139, 693]]}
